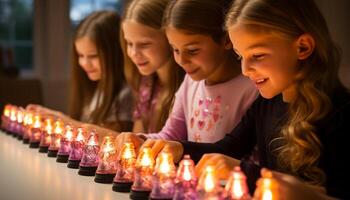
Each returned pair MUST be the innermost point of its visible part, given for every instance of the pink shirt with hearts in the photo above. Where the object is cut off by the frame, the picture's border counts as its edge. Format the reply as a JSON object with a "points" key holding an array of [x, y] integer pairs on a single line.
{"points": [[205, 113]]}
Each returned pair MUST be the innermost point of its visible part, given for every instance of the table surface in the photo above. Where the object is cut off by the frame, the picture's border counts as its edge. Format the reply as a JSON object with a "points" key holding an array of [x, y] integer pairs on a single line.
{"points": [[27, 174]]}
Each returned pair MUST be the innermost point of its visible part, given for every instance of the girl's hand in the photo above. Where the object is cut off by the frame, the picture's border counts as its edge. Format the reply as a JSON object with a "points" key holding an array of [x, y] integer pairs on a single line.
{"points": [[287, 187], [129, 137], [219, 162], [157, 146]]}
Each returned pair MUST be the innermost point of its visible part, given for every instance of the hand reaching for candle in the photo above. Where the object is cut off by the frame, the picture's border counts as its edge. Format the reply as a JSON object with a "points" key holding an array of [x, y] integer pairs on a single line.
{"points": [[125, 137], [289, 186], [157, 146], [219, 162]]}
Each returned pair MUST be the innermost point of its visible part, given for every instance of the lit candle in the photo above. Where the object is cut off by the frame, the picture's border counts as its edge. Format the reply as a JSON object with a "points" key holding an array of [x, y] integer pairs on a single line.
{"points": [[125, 168], [163, 177], [267, 190], [208, 185], [76, 152], [35, 132], [28, 122], [45, 139], [13, 121], [55, 139], [107, 168], [186, 180], [142, 185], [65, 144], [19, 124], [90, 159], [236, 186], [5, 117]]}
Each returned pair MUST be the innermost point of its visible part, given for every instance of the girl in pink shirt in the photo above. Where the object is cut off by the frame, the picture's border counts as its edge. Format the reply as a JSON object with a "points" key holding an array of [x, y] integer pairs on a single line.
{"points": [[214, 94]]}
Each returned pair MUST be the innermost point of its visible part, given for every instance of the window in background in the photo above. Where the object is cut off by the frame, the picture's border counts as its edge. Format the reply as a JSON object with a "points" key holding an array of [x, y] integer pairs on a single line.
{"points": [[16, 35], [79, 9]]}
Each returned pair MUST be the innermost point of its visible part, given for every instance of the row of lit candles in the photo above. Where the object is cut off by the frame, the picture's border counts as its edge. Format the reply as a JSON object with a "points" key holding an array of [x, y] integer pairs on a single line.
{"points": [[141, 174]]}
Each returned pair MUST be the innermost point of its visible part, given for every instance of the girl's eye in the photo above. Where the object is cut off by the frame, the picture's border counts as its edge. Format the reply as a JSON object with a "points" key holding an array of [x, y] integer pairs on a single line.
{"points": [[128, 44], [192, 51], [144, 45], [239, 57], [258, 56], [176, 51]]}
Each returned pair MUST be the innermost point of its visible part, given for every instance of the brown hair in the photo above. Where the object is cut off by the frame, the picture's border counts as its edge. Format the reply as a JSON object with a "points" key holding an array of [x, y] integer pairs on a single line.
{"points": [[301, 150], [102, 28]]}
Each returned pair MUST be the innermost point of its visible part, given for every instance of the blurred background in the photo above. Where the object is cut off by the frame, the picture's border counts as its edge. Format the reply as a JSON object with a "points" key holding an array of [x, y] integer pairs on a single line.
{"points": [[35, 38]]}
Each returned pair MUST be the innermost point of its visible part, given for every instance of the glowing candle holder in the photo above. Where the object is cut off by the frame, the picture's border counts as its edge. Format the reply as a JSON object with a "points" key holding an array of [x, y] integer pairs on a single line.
{"points": [[19, 125], [267, 188], [236, 187], [107, 167], [186, 180], [27, 123], [142, 185], [35, 132], [208, 186], [77, 149], [55, 139], [125, 168], [45, 139], [65, 146], [13, 121], [163, 177], [5, 118], [90, 159]]}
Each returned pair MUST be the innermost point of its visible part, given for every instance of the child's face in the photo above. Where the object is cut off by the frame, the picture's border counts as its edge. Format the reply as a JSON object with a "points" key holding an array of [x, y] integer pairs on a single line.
{"points": [[199, 55], [88, 58], [268, 59], [147, 47]]}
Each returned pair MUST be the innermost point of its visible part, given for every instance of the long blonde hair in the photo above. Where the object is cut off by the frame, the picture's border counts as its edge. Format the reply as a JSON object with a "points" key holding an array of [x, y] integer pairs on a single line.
{"points": [[102, 28], [301, 150], [150, 13]]}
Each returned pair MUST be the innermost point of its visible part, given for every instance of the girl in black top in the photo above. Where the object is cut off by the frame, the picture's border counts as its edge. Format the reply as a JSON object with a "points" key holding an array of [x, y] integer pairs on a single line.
{"points": [[299, 123]]}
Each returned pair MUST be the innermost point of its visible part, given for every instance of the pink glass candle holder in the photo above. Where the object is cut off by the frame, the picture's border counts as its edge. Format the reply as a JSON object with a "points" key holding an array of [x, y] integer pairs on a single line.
{"points": [[163, 177], [267, 190], [35, 132], [77, 149], [55, 139], [186, 180], [236, 187], [27, 123], [125, 168], [65, 146], [5, 117], [45, 139], [19, 125], [89, 162], [208, 186], [107, 166], [142, 185], [13, 121]]}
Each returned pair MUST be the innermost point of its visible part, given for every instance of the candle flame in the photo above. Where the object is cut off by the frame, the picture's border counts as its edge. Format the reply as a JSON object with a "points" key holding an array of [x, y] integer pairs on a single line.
{"points": [[58, 127], [37, 121], [80, 135], [7, 111], [146, 160], [128, 151], [164, 166], [267, 193], [209, 184]]}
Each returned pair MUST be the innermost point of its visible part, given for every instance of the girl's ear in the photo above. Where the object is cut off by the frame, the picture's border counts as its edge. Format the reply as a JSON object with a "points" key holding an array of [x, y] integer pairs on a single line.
{"points": [[227, 42], [305, 46]]}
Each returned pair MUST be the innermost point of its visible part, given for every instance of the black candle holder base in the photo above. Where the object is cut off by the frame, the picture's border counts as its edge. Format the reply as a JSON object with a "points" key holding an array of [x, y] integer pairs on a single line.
{"points": [[19, 137], [121, 187], [25, 140], [139, 195], [104, 178], [87, 171], [62, 158], [52, 153], [34, 145], [74, 164], [43, 149]]}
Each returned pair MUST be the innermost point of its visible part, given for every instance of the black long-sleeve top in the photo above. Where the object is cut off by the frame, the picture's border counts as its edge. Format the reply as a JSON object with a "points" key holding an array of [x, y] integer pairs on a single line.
{"points": [[261, 127]]}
